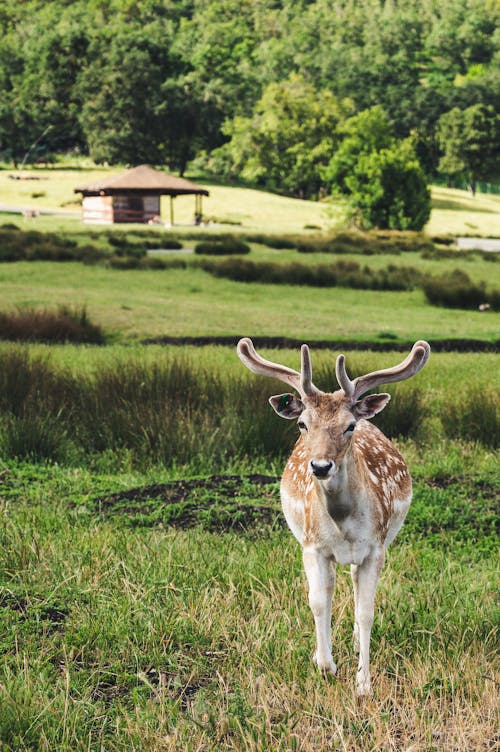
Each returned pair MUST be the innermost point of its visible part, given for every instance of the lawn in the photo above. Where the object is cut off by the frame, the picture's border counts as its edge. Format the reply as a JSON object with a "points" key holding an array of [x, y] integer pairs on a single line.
{"points": [[141, 304]]}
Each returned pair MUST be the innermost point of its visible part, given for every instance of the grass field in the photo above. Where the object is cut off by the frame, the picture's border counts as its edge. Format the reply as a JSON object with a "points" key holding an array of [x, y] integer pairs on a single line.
{"points": [[454, 211], [121, 635], [140, 304], [150, 597]]}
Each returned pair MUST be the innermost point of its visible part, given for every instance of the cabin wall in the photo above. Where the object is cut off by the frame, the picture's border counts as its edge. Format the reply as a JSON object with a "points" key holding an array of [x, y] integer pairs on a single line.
{"points": [[123, 208], [97, 209]]}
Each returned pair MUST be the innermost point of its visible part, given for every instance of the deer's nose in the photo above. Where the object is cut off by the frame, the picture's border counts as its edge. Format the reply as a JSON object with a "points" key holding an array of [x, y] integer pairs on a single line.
{"points": [[321, 468]]}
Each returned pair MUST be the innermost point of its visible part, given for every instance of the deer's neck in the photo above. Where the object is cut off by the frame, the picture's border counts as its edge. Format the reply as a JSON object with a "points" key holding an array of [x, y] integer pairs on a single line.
{"points": [[339, 493]]}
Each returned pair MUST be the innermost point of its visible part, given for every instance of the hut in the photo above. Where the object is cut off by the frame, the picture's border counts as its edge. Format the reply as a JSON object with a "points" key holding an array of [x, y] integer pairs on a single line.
{"points": [[134, 196]]}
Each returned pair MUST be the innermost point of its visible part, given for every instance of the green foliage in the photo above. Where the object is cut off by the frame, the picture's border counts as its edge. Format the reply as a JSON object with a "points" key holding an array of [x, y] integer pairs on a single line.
{"points": [[369, 131], [227, 247], [388, 189], [456, 290], [289, 138], [470, 142], [164, 82]]}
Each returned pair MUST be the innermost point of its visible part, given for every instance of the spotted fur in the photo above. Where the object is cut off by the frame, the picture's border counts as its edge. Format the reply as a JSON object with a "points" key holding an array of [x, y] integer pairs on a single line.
{"points": [[345, 489]]}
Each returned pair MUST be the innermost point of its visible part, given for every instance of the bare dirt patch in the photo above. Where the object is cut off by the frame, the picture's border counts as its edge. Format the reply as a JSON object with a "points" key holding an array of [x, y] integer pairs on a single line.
{"points": [[217, 503]]}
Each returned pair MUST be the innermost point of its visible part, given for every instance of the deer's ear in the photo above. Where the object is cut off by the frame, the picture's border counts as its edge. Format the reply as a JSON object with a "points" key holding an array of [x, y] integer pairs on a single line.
{"points": [[287, 405], [371, 405]]}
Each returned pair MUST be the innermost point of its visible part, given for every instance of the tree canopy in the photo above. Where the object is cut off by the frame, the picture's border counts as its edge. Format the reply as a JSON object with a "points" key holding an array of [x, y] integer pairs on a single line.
{"points": [[259, 88]]}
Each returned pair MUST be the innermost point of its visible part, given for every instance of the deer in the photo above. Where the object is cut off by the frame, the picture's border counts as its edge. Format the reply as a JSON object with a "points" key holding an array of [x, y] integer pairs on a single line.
{"points": [[345, 490]]}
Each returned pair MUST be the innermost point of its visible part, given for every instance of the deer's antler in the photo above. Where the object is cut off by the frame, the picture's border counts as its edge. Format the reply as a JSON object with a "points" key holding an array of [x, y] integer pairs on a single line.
{"points": [[301, 382], [409, 367]]}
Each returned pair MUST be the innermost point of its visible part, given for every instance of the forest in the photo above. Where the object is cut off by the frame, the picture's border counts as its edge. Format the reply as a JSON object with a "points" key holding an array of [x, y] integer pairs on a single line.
{"points": [[295, 96]]}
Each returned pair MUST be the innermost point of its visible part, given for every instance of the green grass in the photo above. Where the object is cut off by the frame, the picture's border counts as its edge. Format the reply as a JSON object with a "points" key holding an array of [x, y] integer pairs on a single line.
{"points": [[148, 638], [138, 304], [135, 616], [454, 211]]}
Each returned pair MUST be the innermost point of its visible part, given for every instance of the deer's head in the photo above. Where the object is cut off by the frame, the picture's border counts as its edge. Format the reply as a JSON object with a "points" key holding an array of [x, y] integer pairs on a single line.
{"points": [[327, 421]]}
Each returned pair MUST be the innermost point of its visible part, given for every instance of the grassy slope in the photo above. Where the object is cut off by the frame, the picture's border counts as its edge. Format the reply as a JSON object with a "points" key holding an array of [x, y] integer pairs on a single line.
{"points": [[191, 302], [454, 211]]}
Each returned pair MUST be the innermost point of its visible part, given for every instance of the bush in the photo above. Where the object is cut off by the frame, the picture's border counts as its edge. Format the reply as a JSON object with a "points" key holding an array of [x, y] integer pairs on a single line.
{"points": [[16, 245], [343, 273], [279, 242], [169, 244], [456, 290], [367, 243], [229, 247], [61, 325], [388, 189]]}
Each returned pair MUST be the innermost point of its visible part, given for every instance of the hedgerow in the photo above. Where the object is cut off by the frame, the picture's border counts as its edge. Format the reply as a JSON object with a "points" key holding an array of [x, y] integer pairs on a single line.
{"points": [[228, 247], [342, 274], [456, 290]]}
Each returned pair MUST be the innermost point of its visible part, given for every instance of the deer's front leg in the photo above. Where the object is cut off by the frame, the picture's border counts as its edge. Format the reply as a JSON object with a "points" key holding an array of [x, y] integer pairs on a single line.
{"points": [[321, 578], [365, 579]]}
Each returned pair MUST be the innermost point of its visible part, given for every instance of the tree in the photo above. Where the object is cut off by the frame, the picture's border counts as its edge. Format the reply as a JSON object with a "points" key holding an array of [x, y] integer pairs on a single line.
{"points": [[364, 133], [470, 143], [289, 139], [39, 66], [388, 189], [138, 107]]}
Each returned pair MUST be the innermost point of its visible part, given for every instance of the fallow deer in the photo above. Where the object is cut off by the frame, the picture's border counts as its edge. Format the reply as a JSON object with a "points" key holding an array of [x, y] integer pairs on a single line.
{"points": [[345, 490]]}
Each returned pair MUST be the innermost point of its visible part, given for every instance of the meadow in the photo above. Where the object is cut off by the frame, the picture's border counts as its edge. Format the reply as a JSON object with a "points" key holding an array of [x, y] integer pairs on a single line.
{"points": [[150, 595]]}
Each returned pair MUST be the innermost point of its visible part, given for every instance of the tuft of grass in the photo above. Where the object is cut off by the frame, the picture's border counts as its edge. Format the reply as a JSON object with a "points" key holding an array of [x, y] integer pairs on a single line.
{"points": [[64, 324], [174, 410]]}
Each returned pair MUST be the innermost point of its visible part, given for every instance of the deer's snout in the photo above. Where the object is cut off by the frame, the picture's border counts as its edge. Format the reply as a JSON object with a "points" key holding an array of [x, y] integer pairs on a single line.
{"points": [[322, 468]]}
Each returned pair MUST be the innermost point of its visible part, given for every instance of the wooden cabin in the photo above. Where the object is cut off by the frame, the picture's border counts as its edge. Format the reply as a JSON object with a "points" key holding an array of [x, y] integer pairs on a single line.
{"points": [[134, 196]]}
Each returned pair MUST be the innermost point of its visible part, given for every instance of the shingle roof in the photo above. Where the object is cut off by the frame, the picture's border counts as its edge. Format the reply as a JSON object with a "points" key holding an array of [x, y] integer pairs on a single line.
{"points": [[144, 178]]}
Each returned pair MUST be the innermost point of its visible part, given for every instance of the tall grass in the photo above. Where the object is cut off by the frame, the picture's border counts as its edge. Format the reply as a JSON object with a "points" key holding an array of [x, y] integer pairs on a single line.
{"points": [[63, 324], [177, 411]]}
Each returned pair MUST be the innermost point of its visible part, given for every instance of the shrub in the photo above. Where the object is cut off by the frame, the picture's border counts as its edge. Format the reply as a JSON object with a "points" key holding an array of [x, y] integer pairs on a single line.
{"points": [[280, 242], [169, 244], [229, 247], [456, 290], [367, 243], [343, 273], [124, 262], [61, 325], [388, 189]]}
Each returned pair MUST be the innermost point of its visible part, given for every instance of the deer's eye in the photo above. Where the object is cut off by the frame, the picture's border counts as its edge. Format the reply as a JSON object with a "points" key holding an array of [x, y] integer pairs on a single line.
{"points": [[350, 428], [302, 425]]}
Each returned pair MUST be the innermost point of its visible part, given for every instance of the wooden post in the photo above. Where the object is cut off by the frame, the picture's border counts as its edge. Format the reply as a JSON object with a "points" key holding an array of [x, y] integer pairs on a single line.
{"points": [[171, 211]]}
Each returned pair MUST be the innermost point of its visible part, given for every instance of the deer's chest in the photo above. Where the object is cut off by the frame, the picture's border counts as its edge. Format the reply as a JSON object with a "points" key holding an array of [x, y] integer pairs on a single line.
{"points": [[348, 540]]}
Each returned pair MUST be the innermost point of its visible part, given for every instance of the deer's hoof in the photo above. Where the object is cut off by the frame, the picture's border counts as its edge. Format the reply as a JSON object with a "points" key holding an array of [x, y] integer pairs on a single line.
{"points": [[325, 666], [363, 687]]}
